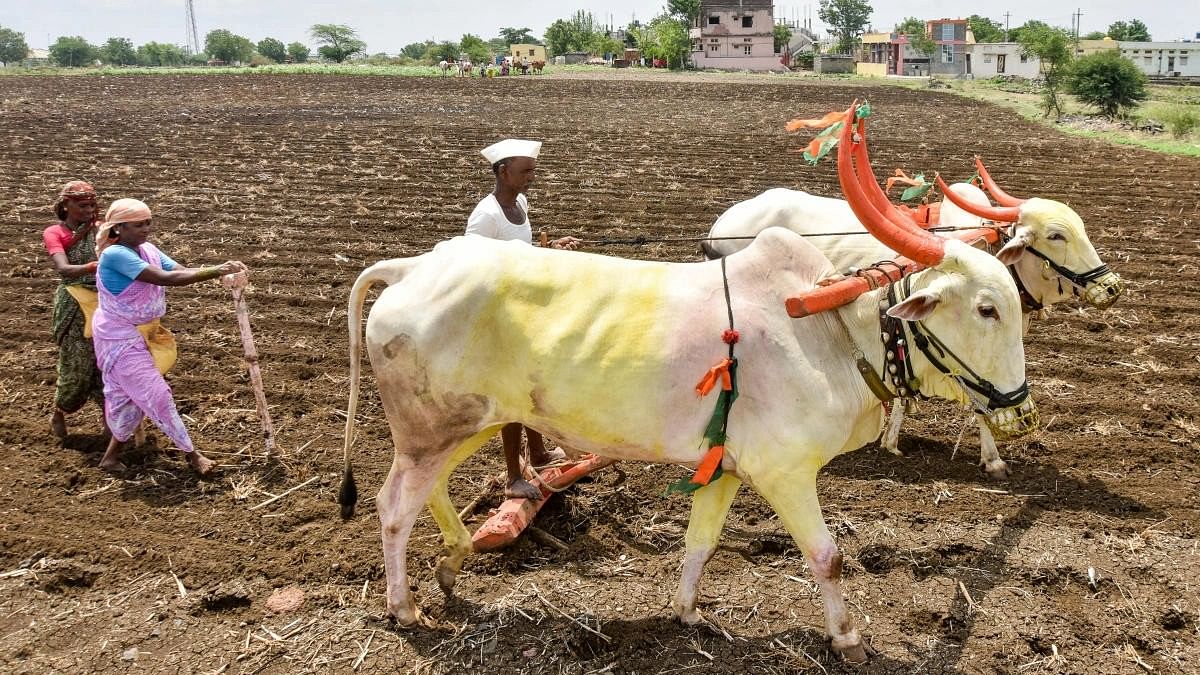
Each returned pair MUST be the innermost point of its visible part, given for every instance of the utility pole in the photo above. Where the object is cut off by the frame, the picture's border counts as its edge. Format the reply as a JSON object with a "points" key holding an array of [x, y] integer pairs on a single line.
{"points": [[193, 36], [1078, 21], [1006, 15]]}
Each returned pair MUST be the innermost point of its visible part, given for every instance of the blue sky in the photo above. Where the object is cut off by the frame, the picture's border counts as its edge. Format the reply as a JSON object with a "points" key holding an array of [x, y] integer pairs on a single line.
{"points": [[389, 25]]}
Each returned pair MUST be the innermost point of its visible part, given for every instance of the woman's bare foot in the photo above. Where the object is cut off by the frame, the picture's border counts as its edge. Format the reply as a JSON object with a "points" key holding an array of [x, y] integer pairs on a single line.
{"points": [[58, 425], [522, 489], [111, 461], [200, 464]]}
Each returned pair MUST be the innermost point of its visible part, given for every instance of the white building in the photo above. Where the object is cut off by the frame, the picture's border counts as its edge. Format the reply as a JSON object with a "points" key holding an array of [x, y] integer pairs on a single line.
{"points": [[988, 59], [1164, 59], [736, 35]]}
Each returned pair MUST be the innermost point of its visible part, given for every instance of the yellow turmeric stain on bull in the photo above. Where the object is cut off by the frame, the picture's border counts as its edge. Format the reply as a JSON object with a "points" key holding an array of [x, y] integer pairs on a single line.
{"points": [[554, 339]]}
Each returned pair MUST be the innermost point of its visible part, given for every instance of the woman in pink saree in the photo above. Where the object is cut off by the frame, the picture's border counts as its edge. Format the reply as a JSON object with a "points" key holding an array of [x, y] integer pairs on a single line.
{"points": [[131, 278]]}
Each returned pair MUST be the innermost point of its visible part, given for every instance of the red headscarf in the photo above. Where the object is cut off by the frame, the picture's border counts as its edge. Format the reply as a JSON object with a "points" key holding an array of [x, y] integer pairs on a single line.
{"points": [[75, 191]]}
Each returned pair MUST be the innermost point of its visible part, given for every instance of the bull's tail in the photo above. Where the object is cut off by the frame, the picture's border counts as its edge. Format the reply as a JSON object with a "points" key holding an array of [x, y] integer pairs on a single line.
{"points": [[389, 272], [709, 252]]}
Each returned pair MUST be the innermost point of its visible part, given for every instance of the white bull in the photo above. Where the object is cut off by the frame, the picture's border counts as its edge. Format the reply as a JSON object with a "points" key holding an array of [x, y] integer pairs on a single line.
{"points": [[604, 353], [1048, 227]]}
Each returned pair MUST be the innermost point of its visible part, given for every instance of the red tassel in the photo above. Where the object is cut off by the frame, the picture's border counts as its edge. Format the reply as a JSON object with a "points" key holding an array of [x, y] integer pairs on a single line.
{"points": [[708, 465], [730, 337]]}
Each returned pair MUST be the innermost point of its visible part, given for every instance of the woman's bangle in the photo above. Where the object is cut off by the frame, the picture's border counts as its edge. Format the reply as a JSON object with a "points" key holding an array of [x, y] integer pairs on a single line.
{"points": [[206, 273]]}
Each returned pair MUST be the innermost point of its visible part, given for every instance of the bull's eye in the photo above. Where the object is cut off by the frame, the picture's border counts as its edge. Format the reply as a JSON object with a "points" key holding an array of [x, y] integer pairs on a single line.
{"points": [[1056, 236], [989, 312]]}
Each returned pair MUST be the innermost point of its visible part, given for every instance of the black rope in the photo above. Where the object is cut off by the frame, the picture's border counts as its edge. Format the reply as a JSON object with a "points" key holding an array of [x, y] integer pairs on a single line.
{"points": [[643, 239], [732, 361]]}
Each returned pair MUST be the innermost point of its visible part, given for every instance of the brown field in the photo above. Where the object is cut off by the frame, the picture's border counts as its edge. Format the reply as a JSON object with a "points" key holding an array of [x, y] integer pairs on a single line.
{"points": [[1085, 561]]}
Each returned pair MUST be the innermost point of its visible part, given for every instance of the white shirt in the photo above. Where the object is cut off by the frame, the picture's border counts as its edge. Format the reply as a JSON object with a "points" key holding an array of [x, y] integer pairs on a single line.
{"points": [[488, 220]]}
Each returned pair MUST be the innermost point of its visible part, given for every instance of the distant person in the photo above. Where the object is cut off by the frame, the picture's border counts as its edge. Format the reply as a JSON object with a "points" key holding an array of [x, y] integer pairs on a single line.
{"points": [[72, 248], [504, 215]]}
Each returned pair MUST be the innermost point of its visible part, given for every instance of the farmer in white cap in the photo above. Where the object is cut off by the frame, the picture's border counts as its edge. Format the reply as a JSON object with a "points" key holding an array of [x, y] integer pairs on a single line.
{"points": [[504, 215]]}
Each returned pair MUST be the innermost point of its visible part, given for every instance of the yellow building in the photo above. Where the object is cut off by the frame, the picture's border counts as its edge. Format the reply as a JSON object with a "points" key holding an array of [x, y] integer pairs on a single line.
{"points": [[1086, 47], [528, 53]]}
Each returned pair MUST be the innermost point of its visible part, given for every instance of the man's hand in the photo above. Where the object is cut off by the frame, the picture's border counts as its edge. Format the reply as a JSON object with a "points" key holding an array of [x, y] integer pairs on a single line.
{"points": [[566, 244]]}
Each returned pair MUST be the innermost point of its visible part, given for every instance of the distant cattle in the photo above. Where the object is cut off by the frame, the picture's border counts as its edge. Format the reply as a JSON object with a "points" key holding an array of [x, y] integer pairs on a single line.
{"points": [[445, 67], [537, 67]]}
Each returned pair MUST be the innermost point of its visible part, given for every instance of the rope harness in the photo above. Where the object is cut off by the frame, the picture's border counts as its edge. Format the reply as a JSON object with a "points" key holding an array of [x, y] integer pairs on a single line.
{"points": [[898, 367]]}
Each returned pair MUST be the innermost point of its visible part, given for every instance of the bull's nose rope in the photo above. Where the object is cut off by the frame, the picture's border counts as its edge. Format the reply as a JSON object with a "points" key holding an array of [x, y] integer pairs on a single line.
{"points": [[724, 372]]}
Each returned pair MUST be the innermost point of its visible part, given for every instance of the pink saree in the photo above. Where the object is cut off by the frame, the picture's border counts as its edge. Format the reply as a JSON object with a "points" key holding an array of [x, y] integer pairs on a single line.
{"points": [[133, 387]]}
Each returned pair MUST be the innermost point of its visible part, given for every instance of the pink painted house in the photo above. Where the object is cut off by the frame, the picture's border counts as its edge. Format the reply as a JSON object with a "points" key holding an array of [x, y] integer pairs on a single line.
{"points": [[735, 35]]}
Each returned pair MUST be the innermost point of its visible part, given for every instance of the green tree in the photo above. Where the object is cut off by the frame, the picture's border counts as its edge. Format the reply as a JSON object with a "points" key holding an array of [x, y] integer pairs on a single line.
{"points": [[13, 48], [118, 52], [159, 54], [474, 47], [517, 36], [985, 29], [298, 51], [914, 28], [228, 47], [847, 19], [1129, 31], [338, 42], [1014, 34], [416, 50], [911, 26], [272, 49], [442, 51], [1094, 35], [72, 52], [688, 10], [1108, 81], [783, 35], [666, 38], [1053, 46], [577, 34]]}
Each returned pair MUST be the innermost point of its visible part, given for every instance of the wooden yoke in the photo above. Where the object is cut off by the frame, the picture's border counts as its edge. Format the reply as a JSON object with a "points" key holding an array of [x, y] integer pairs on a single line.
{"points": [[839, 292]]}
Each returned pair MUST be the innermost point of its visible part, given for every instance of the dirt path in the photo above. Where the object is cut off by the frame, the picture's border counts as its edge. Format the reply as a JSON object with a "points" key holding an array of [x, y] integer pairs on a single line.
{"points": [[1086, 561]]}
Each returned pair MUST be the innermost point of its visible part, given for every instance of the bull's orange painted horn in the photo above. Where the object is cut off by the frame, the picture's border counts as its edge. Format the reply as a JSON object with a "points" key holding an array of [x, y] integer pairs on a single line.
{"points": [[1006, 214], [918, 245], [1001, 197], [870, 185]]}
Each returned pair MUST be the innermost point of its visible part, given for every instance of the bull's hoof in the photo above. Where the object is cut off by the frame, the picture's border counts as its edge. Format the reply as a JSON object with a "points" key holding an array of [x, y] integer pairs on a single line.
{"points": [[688, 616], [996, 468], [406, 616], [447, 575], [851, 648]]}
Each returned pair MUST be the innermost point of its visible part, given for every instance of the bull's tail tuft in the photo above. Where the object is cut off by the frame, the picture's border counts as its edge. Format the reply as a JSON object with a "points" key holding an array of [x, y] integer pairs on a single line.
{"points": [[709, 252], [389, 272], [348, 494]]}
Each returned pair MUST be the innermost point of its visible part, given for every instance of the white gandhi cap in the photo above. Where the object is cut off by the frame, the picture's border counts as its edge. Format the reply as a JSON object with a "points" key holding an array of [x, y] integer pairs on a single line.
{"points": [[511, 147]]}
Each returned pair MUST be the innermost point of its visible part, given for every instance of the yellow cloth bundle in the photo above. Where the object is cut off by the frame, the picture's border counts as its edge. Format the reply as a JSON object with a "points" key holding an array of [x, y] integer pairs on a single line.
{"points": [[159, 340]]}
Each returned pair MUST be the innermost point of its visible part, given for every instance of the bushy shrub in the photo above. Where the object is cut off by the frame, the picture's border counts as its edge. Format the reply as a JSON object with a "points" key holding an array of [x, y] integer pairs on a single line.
{"points": [[1180, 119], [1108, 81]]}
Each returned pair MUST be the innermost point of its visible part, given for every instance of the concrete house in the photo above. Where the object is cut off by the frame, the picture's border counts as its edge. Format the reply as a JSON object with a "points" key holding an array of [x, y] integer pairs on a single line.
{"points": [[988, 59], [951, 56], [527, 53], [736, 35], [1164, 59]]}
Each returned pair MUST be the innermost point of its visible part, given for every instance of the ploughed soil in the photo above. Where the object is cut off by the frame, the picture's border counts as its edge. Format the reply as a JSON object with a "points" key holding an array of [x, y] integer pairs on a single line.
{"points": [[1084, 561]]}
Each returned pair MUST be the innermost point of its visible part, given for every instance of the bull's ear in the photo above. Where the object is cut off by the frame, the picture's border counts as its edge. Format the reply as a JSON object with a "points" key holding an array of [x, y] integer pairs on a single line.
{"points": [[1014, 249], [916, 307]]}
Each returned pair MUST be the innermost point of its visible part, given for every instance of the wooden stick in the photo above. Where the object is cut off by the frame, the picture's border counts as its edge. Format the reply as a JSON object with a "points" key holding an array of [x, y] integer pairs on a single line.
{"points": [[237, 284], [283, 494], [544, 537]]}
